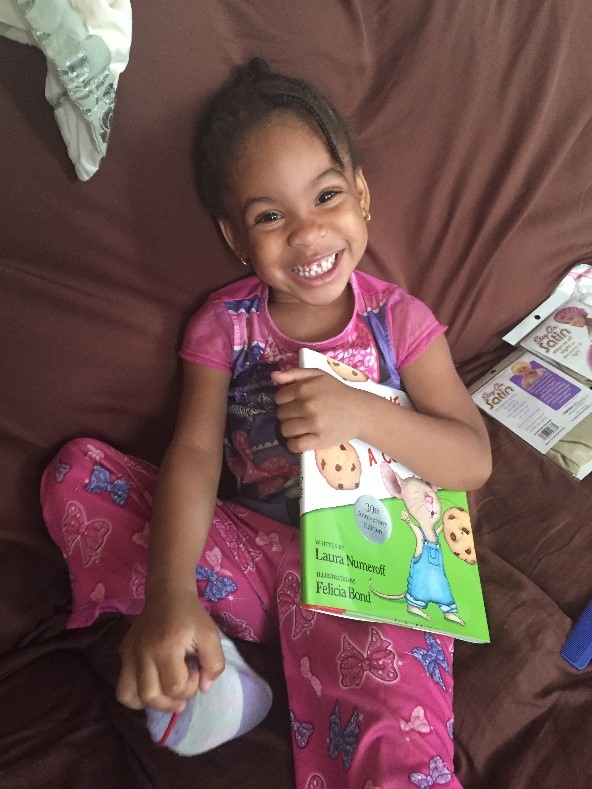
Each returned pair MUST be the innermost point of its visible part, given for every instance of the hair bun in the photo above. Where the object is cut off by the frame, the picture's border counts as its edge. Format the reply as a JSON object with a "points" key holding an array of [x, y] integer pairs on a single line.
{"points": [[256, 69]]}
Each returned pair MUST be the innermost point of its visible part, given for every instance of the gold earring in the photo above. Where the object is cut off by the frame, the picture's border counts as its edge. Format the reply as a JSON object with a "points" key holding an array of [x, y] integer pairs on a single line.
{"points": [[244, 262], [367, 216]]}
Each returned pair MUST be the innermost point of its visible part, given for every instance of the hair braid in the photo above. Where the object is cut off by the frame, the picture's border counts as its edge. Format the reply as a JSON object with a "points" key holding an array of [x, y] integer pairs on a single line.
{"points": [[256, 94], [293, 100]]}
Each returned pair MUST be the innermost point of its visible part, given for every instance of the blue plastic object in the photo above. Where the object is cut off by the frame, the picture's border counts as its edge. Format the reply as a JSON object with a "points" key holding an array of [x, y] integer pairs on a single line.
{"points": [[577, 649]]}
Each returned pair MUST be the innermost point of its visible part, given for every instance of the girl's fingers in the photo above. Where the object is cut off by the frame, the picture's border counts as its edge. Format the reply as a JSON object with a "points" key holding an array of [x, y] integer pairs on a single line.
{"points": [[174, 675], [288, 382], [283, 377], [302, 443], [289, 411], [126, 691], [211, 661], [292, 428], [149, 689]]}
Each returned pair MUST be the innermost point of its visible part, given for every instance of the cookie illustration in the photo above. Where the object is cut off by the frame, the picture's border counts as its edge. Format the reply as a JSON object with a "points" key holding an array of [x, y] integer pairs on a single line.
{"points": [[340, 466], [458, 534], [346, 372]]}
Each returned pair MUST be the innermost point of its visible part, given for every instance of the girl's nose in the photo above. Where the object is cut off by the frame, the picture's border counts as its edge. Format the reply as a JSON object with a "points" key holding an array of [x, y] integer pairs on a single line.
{"points": [[305, 232]]}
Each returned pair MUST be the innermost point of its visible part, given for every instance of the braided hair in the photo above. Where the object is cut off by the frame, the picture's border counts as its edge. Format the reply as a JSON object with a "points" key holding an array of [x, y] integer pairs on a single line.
{"points": [[255, 95]]}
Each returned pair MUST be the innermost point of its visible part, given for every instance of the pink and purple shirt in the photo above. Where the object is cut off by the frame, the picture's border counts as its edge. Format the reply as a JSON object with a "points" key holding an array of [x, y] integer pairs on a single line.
{"points": [[234, 332]]}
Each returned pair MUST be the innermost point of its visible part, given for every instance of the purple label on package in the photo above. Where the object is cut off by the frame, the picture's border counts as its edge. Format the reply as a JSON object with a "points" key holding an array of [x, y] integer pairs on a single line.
{"points": [[542, 383]]}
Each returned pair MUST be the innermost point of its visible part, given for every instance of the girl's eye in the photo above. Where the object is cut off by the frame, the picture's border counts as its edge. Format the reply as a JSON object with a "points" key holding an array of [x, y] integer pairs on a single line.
{"points": [[327, 195], [268, 216]]}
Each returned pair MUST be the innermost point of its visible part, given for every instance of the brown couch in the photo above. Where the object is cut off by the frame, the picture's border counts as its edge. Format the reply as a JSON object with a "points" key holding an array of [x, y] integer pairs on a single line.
{"points": [[475, 123]]}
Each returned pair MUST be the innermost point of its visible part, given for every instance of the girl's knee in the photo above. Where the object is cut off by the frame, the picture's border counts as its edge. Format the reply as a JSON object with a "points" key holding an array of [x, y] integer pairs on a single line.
{"points": [[88, 470]]}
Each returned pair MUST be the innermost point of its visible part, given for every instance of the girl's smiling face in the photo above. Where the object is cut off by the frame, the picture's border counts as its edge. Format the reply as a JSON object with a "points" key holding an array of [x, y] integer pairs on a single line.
{"points": [[295, 214]]}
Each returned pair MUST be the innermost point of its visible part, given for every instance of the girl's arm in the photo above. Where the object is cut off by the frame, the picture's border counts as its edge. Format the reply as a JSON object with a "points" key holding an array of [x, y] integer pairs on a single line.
{"points": [[444, 441], [188, 480], [173, 621]]}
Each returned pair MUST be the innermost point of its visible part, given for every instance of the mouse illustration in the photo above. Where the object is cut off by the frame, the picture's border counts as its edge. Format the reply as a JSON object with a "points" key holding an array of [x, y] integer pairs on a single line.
{"points": [[427, 582]]}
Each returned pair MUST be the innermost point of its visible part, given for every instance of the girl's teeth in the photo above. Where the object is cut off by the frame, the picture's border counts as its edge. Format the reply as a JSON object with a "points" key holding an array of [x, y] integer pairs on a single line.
{"points": [[321, 267]]}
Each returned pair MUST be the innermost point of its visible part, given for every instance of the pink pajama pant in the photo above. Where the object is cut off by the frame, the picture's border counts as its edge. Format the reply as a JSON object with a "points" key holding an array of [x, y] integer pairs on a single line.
{"points": [[370, 704]]}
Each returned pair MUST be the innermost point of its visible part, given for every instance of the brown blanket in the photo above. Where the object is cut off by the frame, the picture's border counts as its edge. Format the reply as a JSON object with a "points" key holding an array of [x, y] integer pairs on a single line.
{"points": [[475, 124]]}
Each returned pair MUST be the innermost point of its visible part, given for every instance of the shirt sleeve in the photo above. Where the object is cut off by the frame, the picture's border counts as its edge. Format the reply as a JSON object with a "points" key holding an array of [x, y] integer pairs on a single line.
{"points": [[413, 328], [208, 338]]}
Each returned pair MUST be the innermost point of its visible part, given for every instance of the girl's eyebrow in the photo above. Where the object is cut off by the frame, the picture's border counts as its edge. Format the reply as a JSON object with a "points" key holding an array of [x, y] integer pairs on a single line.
{"points": [[329, 171], [254, 200], [333, 171]]}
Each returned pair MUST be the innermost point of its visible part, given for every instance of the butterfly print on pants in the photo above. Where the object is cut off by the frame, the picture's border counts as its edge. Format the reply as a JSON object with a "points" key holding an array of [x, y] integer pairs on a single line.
{"points": [[343, 740], [379, 661], [307, 674], [302, 731], [217, 586], [60, 469], [432, 659], [417, 722], [243, 551], [89, 535], [316, 782], [100, 482], [438, 775], [138, 582], [233, 627], [289, 600]]}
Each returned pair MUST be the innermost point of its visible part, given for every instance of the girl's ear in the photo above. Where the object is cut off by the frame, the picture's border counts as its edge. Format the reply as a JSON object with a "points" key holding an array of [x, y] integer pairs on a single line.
{"points": [[231, 236], [362, 191]]}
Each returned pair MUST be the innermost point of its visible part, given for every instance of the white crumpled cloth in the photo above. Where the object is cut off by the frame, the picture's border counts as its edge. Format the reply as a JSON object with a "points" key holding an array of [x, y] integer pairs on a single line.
{"points": [[86, 44]]}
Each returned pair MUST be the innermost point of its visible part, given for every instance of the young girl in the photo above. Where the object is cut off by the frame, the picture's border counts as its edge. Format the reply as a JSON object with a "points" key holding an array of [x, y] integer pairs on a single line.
{"points": [[281, 175]]}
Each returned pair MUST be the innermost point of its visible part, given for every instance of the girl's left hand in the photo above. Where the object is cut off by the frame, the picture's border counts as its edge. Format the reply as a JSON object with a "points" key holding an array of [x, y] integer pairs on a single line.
{"points": [[315, 410]]}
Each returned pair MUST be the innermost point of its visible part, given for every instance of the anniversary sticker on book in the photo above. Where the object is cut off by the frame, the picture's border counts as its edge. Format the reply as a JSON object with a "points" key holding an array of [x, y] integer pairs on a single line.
{"points": [[381, 544]]}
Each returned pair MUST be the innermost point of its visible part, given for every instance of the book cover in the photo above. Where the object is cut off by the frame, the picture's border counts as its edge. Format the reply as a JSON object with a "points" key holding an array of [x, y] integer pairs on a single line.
{"points": [[381, 544]]}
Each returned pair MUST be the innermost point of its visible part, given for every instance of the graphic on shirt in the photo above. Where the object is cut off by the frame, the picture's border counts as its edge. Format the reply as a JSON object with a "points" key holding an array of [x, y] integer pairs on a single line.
{"points": [[235, 332], [255, 453], [269, 475]]}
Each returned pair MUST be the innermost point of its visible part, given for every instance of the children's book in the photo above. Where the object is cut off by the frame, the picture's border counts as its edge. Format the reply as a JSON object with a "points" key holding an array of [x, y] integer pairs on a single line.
{"points": [[381, 544]]}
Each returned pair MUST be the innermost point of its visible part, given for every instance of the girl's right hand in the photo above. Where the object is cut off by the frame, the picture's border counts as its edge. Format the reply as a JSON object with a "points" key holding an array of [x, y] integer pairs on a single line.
{"points": [[154, 671]]}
